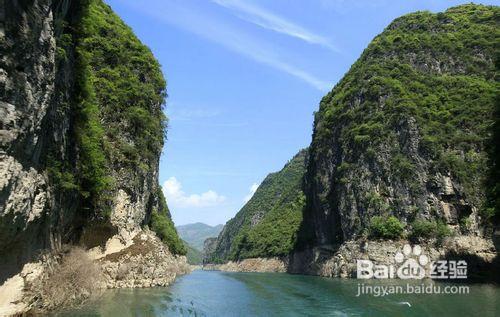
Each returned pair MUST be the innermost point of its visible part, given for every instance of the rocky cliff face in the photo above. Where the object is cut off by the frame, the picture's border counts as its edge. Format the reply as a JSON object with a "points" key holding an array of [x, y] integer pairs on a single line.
{"points": [[81, 131], [406, 132], [144, 262], [402, 152], [267, 265], [33, 122]]}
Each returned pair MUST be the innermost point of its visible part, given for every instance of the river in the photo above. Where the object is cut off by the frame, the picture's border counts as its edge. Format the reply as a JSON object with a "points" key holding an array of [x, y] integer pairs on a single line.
{"points": [[213, 293]]}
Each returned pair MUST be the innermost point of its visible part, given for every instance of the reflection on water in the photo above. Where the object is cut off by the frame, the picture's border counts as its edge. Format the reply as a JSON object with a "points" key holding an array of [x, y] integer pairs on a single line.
{"points": [[205, 293]]}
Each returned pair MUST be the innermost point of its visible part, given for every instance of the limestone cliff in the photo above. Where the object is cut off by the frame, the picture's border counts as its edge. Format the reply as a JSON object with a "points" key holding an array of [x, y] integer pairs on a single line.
{"points": [[406, 132], [403, 151], [81, 132], [402, 145], [33, 120]]}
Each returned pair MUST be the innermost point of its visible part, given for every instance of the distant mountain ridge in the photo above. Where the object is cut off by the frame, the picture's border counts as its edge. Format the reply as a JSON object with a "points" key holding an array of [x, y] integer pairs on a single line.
{"points": [[196, 233]]}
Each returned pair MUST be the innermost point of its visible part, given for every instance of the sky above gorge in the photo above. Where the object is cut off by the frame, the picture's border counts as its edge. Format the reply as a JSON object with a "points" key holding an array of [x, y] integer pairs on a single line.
{"points": [[244, 78]]}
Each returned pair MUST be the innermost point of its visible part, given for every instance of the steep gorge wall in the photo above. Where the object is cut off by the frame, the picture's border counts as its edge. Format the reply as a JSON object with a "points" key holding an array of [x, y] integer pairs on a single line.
{"points": [[33, 126], [406, 132], [81, 131], [403, 151]]}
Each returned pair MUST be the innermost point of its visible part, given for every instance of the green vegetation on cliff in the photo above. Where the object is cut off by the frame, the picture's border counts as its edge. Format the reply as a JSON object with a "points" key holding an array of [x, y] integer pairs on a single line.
{"points": [[118, 122], [409, 65], [493, 183], [120, 90], [429, 229], [390, 228], [410, 121], [128, 84], [267, 225], [161, 223], [276, 234]]}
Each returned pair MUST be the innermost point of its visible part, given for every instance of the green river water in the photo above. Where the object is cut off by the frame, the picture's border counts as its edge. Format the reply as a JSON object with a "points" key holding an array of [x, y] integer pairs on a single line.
{"points": [[212, 293]]}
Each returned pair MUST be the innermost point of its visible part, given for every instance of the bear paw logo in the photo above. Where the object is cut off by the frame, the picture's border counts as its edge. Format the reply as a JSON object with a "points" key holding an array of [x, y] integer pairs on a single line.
{"points": [[412, 263]]}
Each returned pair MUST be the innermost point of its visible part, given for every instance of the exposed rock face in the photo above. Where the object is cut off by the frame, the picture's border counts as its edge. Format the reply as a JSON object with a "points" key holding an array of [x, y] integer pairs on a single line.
{"points": [[143, 262], [397, 136], [32, 122], [268, 265], [325, 261], [341, 261], [56, 129], [12, 299]]}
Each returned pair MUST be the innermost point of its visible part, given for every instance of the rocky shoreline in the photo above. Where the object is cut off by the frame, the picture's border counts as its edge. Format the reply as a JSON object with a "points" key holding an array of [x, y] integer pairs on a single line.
{"points": [[340, 261], [139, 261], [146, 262], [269, 265]]}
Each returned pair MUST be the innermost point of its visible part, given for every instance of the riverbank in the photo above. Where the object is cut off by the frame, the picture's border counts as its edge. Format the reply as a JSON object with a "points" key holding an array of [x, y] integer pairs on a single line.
{"points": [[263, 265], [216, 293], [138, 259], [340, 261]]}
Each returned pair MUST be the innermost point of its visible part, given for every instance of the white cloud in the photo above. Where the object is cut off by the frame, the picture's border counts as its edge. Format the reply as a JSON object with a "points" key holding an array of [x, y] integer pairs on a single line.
{"points": [[191, 19], [271, 21], [172, 189], [252, 189]]}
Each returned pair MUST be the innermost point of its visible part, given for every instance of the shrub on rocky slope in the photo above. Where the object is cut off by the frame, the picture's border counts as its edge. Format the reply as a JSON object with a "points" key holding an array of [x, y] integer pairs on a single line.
{"points": [[405, 133]]}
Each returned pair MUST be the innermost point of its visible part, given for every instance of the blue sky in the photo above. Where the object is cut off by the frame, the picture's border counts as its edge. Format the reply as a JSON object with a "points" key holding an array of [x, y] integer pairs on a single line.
{"points": [[244, 78]]}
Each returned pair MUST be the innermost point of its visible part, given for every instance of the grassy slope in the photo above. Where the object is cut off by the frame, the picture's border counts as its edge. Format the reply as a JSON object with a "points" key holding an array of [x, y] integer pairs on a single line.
{"points": [[278, 204]]}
